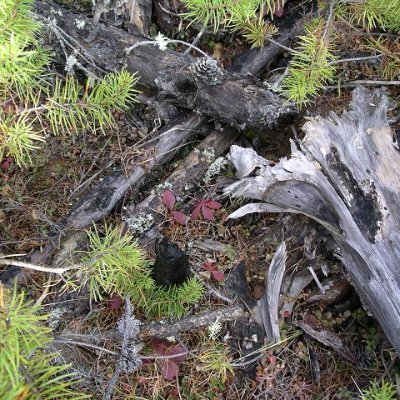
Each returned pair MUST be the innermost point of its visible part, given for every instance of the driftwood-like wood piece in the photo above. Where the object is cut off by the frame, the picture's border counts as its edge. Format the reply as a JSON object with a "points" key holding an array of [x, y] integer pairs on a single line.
{"points": [[344, 175], [198, 86], [269, 302]]}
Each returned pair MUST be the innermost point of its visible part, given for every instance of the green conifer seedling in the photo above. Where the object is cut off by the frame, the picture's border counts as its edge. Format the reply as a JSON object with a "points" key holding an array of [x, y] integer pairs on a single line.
{"points": [[115, 264], [28, 369]]}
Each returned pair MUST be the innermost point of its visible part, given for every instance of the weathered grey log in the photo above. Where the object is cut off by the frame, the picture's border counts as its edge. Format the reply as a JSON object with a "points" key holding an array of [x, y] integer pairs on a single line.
{"points": [[99, 202], [191, 84], [184, 178], [103, 197], [344, 176]]}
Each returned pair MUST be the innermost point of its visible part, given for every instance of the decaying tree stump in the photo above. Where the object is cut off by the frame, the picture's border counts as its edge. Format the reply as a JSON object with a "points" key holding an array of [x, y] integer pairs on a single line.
{"points": [[344, 175]]}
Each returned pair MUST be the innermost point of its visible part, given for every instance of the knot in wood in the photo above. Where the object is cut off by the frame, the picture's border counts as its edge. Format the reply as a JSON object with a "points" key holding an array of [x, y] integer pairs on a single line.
{"points": [[207, 70]]}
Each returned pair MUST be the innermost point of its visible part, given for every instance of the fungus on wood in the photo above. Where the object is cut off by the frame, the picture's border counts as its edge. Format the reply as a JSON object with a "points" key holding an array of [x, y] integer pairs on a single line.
{"points": [[344, 175]]}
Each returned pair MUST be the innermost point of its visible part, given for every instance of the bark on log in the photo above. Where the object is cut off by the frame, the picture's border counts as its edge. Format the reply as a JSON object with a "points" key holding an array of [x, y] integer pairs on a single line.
{"points": [[193, 84], [345, 176]]}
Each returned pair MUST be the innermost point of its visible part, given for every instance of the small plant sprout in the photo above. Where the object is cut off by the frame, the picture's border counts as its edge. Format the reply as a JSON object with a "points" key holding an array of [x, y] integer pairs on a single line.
{"points": [[246, 16], [116, 265], [215, 359], [214, 329], [30, 106], [383, 390], [310, 67], [28, 368]]}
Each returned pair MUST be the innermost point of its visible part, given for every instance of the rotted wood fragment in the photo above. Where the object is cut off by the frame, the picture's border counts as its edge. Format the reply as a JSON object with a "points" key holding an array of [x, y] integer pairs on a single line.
{"points": [[268, 304], [336, 289], [166, 328], [312, 327], [193, 322]]}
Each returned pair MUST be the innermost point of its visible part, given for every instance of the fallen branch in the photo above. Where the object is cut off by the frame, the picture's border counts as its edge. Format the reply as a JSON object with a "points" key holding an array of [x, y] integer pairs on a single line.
{"points": [[196, 84]]}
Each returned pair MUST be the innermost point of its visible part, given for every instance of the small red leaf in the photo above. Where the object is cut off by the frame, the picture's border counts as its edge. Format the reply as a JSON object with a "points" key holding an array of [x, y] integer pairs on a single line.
{"points": [[179, 217], [208, 266], [196, 212], [212, 204], [6, 164], [169, 199], [272, 359], [207, 213], [218, 275], [179, 351], [170, 369], [115, 302], [160, 346]]}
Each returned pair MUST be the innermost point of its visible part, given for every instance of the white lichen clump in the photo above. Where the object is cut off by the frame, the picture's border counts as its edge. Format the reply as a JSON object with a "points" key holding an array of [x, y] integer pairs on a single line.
{"points": [[54, 317], [215, 168], [214, 329], [70, 63], [162, 187], [80, 23], [208, 154], [161, 41], [139, 223]]}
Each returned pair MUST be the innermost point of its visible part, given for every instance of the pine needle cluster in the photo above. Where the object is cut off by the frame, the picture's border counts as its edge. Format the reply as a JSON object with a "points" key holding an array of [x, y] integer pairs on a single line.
{"points": [[28, 369], [390, 50], [372, 14], [28, 104], [115, 264], [246, 16], [72, 108], [383, 390], [310, 67]]}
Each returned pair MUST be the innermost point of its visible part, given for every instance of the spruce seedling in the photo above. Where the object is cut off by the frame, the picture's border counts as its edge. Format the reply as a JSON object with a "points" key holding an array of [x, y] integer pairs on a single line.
{"points": [[215, 359], [114, 264], [28, 369], [372, 14], [310, 66], [29, 106], [245, 16], [383, 390]]}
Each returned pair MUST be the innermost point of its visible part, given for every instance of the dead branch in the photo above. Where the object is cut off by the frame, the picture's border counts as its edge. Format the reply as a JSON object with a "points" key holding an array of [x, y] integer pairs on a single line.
{"points": [[198, 85]]}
